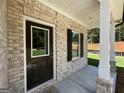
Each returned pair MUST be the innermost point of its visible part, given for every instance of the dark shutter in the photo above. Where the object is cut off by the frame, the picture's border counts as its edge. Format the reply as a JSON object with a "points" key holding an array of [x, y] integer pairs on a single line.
{"points": [[69, 44], [81, 45]]}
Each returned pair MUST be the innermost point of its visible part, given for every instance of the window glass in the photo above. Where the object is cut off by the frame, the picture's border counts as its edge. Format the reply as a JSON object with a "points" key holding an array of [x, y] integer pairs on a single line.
{"points": [[39, 41], [75, 44]]}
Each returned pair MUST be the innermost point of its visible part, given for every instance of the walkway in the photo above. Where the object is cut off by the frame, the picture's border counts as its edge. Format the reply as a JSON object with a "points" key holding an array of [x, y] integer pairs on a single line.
{"points": [[82, 81]]}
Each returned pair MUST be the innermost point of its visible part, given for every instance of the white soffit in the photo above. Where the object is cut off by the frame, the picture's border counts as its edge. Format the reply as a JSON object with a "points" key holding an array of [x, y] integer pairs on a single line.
{"points": [[85, 12], [117, 9]]}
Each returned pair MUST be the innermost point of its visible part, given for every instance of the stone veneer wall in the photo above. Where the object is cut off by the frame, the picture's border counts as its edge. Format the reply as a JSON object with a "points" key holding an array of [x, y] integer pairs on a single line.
{"points": [[103, 86], [3, 44], [33, 8]]}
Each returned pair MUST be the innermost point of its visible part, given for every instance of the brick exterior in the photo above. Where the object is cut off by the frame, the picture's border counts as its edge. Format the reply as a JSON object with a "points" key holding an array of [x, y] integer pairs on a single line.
{"points": [[32, 8], [3, 44]]}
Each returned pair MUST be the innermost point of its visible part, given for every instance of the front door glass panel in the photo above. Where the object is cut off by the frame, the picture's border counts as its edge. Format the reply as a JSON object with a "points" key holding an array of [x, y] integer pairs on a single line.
{"points": [[40, 43]]}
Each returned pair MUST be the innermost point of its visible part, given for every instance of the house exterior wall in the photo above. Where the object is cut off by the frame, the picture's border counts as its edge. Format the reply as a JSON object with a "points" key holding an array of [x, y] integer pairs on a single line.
{"points": [[17, 9], [3, 44]]}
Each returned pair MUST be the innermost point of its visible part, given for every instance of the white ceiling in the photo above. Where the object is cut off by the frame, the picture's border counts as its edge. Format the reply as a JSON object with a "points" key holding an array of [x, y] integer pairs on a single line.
{"points": [[117, 9], [86, 12]]}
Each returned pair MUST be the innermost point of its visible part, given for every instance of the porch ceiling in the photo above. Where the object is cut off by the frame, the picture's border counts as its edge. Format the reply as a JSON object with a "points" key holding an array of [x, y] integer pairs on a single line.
{"points": [[86, 12], [117, 9]]}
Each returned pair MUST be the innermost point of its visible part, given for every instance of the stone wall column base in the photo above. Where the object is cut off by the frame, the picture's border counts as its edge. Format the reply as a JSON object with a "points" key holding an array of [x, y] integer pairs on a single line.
{"points": [[103, 86]]}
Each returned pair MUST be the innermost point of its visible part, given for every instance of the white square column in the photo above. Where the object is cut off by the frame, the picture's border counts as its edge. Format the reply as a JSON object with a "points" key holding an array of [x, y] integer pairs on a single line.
{"points": [[103, 81], [105, 17]]}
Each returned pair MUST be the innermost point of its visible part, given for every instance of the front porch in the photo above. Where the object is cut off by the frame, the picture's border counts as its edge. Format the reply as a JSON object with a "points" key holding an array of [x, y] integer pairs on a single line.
{"points": [[44, 43], [82, 81]]}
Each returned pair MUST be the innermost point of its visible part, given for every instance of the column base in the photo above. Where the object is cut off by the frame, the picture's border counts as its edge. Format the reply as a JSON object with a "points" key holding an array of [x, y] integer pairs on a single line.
{"points": [[103, 86], [113, 66]]}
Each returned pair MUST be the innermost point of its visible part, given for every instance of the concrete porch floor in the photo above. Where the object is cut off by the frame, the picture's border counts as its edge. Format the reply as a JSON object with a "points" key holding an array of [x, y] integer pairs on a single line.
{"points": [[82, 81]]}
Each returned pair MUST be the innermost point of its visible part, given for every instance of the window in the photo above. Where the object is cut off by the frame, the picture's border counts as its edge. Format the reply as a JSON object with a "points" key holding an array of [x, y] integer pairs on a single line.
{"points": [[39, 41], [75, 44]]}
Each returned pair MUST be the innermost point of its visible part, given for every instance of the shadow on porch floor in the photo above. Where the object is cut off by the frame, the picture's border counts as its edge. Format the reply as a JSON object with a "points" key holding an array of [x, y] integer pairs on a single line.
{"points": [[82, 81]]}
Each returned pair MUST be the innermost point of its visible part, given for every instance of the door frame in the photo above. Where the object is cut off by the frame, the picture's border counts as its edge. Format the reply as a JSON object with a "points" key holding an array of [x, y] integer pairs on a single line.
{"points": [[54, 52]]}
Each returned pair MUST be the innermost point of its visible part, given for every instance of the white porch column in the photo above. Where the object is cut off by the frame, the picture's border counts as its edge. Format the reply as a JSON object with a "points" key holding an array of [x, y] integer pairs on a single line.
{"points": [[104, 64], [112, 50], [103, 81]]}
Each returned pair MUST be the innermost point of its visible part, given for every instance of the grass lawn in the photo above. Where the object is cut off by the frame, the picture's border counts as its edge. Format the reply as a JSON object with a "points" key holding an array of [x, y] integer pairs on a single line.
{"points": [[38, 52], [93, 59]]}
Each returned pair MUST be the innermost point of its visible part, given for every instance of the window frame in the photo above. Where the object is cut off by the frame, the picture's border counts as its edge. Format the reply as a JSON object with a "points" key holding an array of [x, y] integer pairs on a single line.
{"points": [[73, 58], [32, 26]]}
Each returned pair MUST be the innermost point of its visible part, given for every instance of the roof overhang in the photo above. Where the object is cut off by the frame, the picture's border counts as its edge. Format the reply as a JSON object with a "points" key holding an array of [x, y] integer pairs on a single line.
{"points": [[117, 9], [86, 12]]}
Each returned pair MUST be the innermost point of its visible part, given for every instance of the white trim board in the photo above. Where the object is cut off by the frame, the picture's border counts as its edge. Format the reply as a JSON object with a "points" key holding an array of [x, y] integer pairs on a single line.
{"points": [[54, 51], [48, 49]]}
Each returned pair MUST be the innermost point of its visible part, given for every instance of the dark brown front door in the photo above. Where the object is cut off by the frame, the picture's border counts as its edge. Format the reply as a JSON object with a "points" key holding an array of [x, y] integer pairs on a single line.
{"points": [[39, 53]]}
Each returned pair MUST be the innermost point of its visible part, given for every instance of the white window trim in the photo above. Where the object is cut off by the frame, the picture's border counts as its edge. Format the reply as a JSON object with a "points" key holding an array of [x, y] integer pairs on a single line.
{"points": [[74, 58], [32, 42]]}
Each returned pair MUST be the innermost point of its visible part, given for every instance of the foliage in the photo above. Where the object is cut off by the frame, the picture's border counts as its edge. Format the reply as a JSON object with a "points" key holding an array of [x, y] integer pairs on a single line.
{"points": [[75, 37], [93, 35], [119, 33], [38, 38]]}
